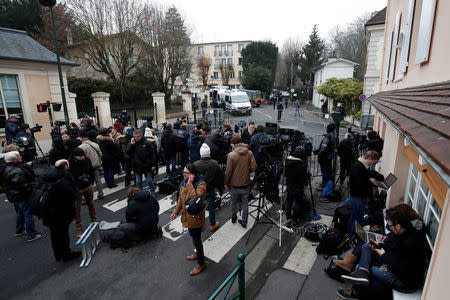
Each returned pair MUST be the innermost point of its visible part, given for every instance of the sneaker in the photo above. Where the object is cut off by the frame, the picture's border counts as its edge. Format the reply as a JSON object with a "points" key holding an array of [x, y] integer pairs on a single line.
{"points": [[37, 236], [23, 232], [346, 293], [233, 219], [244, 225], [359, 277]]}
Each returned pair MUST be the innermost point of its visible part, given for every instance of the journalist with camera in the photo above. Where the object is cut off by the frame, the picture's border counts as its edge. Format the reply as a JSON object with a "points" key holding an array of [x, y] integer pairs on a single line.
{"points": [[325, 154]]}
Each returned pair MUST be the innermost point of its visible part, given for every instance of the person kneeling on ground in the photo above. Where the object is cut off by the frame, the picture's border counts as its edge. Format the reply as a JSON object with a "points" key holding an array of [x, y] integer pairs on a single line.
{"points": [[398, 263], [142, 216]]}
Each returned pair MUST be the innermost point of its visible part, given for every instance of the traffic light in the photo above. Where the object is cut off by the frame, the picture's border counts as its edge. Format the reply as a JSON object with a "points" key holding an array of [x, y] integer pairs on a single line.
{"points": [[56, 106], [42, 107]]}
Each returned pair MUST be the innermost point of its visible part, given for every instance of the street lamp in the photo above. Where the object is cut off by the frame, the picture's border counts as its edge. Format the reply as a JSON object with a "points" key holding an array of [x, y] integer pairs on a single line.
{"points": [[50, 4]]}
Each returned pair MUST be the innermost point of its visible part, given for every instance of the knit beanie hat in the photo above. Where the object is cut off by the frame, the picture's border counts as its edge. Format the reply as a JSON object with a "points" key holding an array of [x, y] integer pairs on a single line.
{"points": [[205, 151], [78, 152], [148, 133]]}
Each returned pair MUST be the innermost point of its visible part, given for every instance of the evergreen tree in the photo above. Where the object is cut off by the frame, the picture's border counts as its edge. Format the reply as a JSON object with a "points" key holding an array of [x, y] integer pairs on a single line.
{"points": [[312, 56], [20, 14]]}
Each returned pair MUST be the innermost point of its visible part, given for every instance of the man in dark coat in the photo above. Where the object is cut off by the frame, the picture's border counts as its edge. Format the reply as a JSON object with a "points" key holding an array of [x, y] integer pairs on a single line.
{"points": [[60, 209], [12, 128], [210, 170], [296, 173], [124, 118], [325, 155], [255, 144], [142, 215], [182, 144], [194, 144], [345, 153], [374, 142], [248, 133], [17, 179], [361, 184], [143, 159], [280, 110], [110, 157], [169, 145], [217, 148], [69, 142]]}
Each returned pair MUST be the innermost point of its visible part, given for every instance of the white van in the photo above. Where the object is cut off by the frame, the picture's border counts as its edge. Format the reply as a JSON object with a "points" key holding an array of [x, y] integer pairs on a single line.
{"points": [[237, 102]]}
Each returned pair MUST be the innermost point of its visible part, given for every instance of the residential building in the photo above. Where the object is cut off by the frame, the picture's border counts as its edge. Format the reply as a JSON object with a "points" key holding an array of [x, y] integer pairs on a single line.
{"points": [[412, 115], [29, 76], [375, 42], [334, 67], [221, 54]]}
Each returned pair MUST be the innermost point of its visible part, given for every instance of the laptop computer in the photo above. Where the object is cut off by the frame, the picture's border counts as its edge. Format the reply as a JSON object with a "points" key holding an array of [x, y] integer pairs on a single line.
{"points": [[366, 236], [387, 183]]}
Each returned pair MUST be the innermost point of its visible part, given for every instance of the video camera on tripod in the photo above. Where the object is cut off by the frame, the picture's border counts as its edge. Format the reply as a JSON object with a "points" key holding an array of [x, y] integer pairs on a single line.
{"points": [[359, 141]]}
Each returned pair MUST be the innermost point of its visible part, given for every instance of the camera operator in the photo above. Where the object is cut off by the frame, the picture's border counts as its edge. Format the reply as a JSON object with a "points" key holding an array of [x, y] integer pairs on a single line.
{"points": [[374, 142], [255, 144], [25, 140], [217, 143], [248, 133], [56, 133], [325, 155], [124, 117], [12, 128], [345, 152], [296, 179]]}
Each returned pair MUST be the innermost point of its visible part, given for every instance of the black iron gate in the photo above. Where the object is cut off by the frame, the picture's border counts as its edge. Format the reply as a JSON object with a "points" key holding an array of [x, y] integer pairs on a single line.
{"points": [[139, 115]]}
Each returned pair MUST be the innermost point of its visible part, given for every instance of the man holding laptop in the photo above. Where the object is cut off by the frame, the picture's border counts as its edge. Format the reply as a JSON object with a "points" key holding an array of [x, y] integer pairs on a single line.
{"points": [[361, 183], [398, 262]]}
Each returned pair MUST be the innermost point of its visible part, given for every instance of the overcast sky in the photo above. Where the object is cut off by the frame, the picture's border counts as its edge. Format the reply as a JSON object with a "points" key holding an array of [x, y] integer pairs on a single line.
{"points": [[232, 20]]}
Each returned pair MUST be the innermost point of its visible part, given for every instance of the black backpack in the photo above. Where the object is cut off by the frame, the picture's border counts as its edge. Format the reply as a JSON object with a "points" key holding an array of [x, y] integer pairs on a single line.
{"points": [[119, 239], [341, 216], [314, 231], [330, 243], [38, 200]]}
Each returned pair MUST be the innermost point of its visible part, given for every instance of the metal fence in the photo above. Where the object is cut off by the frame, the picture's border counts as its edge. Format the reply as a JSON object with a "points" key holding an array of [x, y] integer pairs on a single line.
{"points": [[139, 115], [238, 272]]}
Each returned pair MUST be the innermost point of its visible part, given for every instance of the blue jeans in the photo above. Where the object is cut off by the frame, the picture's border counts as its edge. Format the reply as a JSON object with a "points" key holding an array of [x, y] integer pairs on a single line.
{"points": [[211, 199], [108, 174], [358, 205], [239, 194], [171, 159], [24, 218], [297, 111], [149, 178], [381, 278], [325, 169]]}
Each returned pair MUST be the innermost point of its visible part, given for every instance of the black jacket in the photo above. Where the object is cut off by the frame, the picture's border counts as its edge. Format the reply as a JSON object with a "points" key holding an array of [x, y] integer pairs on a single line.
{"points": [[17, 178], [218, 151], [345, 151], [11, 131], [194, 144], [124, 119], [210, 169], [405, 255], [59, 152], [143, 156], [72, 144], [169, 142], [246, 136], [60, 207], [360, 185], [143, 210], [110, 152], [325, 154], [82, 172], [92, 133], [296, 174], [375, 144]]}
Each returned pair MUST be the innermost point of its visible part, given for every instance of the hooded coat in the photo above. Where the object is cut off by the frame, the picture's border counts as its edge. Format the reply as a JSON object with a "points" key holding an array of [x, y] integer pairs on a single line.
{"points": [[142, 156], [240, 163], [143, 211]]}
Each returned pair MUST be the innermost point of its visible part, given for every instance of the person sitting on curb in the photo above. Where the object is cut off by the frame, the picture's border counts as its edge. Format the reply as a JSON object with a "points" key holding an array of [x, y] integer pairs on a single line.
{"points": [[399, 262]]}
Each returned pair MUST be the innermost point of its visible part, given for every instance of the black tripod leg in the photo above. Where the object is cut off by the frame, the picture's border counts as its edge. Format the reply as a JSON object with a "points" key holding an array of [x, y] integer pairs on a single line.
{"points": [[312, 198]]}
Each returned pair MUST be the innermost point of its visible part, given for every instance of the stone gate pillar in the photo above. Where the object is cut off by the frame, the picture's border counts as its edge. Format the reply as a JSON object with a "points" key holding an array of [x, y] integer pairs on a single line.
{"points": [[158, 101], [187, 103], [72, 107], [101, 101]]}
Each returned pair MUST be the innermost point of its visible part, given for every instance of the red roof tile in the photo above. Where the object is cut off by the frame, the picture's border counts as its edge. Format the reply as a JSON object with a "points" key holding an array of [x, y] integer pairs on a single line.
{"points": [[423, 114]]}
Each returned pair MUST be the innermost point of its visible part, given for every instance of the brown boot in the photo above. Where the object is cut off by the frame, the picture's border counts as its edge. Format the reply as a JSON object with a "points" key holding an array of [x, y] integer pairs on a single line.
{"points": [[213, 228], [348, 263], [197, 269], [192, 257]]}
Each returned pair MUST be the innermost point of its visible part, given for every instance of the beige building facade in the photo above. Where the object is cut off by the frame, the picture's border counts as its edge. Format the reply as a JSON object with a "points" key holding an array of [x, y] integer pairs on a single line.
{"points": [[412, 116]]}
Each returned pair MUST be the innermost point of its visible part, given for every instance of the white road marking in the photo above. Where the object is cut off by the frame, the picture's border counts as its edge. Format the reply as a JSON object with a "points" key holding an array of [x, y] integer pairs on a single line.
{"points": [[304, 254], [219, 243], [107, 191], [116, 205], [263, 113]]}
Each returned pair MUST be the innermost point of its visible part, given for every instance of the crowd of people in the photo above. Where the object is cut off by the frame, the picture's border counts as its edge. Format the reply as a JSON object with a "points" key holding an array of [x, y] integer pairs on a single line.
{"points": [[209, 161]]}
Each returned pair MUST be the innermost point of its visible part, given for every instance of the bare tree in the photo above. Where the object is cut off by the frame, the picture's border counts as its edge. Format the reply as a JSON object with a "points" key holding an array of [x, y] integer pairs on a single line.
{"points": [[226, 71], [349, 42], [166, 39], [109, 40], [290, 57], [203, 65]]}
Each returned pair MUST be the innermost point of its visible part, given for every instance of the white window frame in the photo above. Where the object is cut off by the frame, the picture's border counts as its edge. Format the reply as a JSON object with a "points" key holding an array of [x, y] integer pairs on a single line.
{"points": [[405, 41], [428, 210], [3, 98], [394, 46], [425, 31]]}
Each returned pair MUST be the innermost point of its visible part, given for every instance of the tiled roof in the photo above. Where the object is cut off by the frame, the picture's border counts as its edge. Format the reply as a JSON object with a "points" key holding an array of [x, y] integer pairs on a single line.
{"points": [[378, 18], [423, 114], [18, 45]]}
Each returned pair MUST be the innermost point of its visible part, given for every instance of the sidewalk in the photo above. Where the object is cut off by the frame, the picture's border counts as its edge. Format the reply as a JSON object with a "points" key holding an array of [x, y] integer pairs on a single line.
{"points": [[294, 270]]}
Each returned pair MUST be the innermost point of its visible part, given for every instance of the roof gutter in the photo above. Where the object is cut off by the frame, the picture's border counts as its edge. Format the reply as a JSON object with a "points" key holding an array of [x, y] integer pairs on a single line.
{"points": [[444, 176]]}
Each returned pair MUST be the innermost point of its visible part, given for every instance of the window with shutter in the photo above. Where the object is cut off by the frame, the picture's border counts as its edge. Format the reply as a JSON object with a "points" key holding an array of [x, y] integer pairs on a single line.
{"points": [[425, 30]]}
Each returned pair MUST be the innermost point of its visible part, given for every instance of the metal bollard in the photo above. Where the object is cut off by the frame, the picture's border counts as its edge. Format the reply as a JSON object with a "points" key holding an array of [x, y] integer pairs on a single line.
{"points": [[88, 243]]}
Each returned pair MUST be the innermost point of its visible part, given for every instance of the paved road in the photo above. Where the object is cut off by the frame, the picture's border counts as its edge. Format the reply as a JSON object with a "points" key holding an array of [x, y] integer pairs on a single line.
{"points": [[156, 270]]}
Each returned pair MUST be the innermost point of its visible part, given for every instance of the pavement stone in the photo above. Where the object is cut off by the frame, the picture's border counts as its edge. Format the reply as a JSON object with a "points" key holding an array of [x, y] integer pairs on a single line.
{"points": [[282, 284]]}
